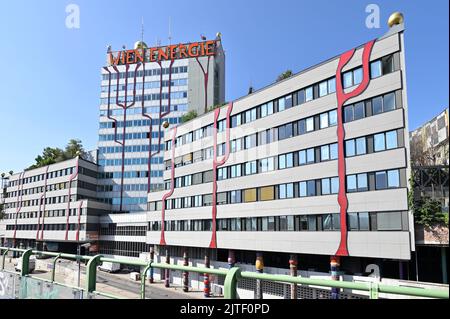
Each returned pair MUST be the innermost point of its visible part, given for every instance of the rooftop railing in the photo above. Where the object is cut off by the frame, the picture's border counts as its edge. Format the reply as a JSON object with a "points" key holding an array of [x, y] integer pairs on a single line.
{"points": [[232, 276]]}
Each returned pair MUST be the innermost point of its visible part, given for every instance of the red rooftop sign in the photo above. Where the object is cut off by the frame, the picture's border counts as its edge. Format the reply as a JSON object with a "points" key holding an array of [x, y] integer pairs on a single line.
{"points": [[170, 52]]}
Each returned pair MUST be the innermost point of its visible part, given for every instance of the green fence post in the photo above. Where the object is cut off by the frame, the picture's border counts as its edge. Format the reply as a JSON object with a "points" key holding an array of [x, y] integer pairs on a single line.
{"points": [[54, 267], [91, 273], [26, 262], [374, 290], [143, 277], [230, 285], [4, 256]]}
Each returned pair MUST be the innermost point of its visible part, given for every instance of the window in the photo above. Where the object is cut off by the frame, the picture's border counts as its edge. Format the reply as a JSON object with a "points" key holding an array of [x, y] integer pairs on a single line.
{"points": [[284, 103], [266, 165], [267, 193], [250, 195], [208, 176], [312, 223], [357, 76], [358, 111], [323, 88], [363, 221], [250, 168], [309, 94], [236, 120], [325, 186], [377, 105], [332, 115], [324, 153], [388, 64], [391, 140], [375, 69], [351, 183], [353, 223], [332, 85], [380, 180], [361, 146], [362, 182], [302, 157], [334, 185], [389, 102], [301, 97], [266, 109], [301, 127], [350, 148], [302, 189], [286, 191], [311, 188], [250, 115], [236, 171], [207, 200], [334, 151], [393, 179], [285, 161], [310, 124], [235, 197], [323, 120], [285, 131], [310, 158], [389, 221], [236, 145], [379, 142], [250, 141], [222, 173], [348, 79], [348, 113]]}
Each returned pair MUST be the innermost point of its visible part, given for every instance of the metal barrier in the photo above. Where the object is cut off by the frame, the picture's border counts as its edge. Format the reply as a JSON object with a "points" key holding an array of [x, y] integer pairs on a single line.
{"points": [[231, 277]]}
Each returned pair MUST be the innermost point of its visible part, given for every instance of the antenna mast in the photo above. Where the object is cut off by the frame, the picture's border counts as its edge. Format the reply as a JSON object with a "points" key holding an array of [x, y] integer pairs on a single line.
{"points": [[170, 31]]}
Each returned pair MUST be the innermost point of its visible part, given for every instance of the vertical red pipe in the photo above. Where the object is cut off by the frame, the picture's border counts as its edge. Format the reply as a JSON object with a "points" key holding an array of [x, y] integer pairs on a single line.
{"points": [[343, 97], [205, 80], [18, 204], [72, 177], [40, 203], [77, 238]]}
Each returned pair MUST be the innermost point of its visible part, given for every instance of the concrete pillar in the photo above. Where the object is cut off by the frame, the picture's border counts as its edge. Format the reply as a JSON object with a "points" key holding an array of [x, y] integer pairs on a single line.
{"points": [[152, 259], [231, 258], [185, 273], [167, 272], [400, 270], [334, 267], [207, 289], [293, 267], [444, 265], [259, 265]]}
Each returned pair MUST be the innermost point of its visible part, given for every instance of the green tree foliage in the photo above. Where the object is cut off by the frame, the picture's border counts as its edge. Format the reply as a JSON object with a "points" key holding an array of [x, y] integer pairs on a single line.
{"points": [[52, 155], [428, 212], [284, 75], [188, 116]]}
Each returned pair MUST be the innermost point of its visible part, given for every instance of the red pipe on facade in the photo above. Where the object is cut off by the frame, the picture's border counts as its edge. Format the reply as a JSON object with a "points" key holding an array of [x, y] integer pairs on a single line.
{"points": [[18, 204], [40, 203], [71, 178], [77, 238], [172, 188], [205, 80], [343, 97], [216, 164]]}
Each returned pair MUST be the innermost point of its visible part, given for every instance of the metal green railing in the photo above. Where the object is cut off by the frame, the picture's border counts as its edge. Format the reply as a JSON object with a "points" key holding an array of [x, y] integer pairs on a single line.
{"points": [[232, 276]]}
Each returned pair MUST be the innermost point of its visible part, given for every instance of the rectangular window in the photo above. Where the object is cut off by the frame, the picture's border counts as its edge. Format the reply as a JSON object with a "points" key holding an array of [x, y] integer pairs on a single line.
{"points": [[324, 153], [250, 168], [391, 140], [236, 171], [357, 76], [359, 111], [351, 183], [361, 146], [348, 113], [266, 109], [285, 161], [363, 221], [350, 148], [377, 105], [310, 155], [222, 173], [235, 197], [353, 221], [323, 88], [389, 102], [302, 157], [266, 165], [362, 182], [301, 127], [375, 69], [348, 79], [312, 223], [380, 180], [332, 117], [325, 186], [389, 221], [286, 191], [323, 120], [379, 142], [334, 151], [311, 186], [332, 85], [302, 189], [334, 185], [393, 178], [250, 141], [250, 195], [267, 193], [309, 95], [310, 124]]}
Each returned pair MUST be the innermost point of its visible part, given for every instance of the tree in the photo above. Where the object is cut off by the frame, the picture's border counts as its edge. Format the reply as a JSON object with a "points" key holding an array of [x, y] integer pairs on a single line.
{"points": [[428, 212], [284, 75], [188, 116], [74, 148]]}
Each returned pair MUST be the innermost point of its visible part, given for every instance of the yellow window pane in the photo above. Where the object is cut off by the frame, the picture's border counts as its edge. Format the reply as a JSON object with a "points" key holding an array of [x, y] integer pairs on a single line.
{"points": [[268, 193], [250, 195]]}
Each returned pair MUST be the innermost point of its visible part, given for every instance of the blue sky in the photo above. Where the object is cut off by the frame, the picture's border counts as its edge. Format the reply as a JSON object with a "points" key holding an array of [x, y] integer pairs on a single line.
{"points": [[50, 83]]}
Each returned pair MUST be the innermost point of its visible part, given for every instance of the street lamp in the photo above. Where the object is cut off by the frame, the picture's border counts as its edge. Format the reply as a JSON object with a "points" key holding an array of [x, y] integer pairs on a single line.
{"points": [[87, 245]]}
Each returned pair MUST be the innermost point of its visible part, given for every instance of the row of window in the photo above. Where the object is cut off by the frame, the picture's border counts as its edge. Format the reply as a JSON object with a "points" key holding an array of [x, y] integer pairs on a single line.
{"points": [[50, 227], [149, 72], [114, 230], [355, 183], [353, 147], [129, 136], [364, 221], [47, 213], [128, 187], [288, 130], [153, 110], [373, 106], [147, 85], [130, 149], [136, 123], [378, 68], [35, 202], [129, 174], [129, 161], [145, 97], [123, 248], [128, 200]]}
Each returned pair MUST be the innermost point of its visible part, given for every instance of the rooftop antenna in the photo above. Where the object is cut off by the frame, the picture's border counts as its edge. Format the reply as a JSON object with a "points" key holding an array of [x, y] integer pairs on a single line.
{"points": [[170, 31], [142, 29], [158, 42]]}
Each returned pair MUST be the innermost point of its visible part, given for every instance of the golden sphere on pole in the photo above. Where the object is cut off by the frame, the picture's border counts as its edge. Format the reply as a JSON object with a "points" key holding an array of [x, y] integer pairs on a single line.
{"points": [[165, 124], [395, 18], [140, 45]]}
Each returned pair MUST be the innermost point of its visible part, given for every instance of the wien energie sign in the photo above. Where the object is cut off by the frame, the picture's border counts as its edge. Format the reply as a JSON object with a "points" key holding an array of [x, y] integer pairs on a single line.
{"points": [[170, 52]]}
